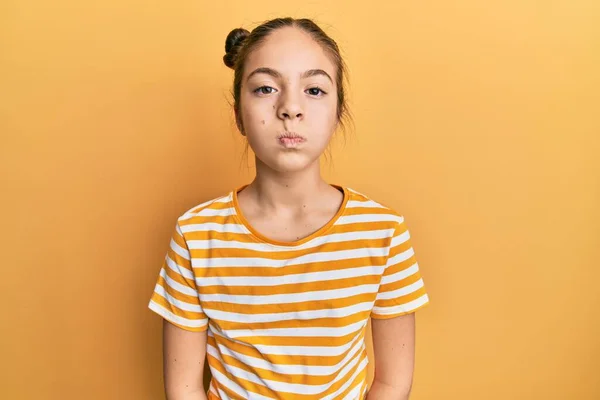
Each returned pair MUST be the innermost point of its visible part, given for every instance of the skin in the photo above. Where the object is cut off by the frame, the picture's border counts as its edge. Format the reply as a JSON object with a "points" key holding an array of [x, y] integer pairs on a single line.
{"points": [[288, 200], [289, 85], [394, 350], [184, 353]]}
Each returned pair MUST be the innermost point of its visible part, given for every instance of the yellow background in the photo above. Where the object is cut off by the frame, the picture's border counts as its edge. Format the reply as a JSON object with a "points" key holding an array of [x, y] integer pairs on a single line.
{"points": [[479, 121]]}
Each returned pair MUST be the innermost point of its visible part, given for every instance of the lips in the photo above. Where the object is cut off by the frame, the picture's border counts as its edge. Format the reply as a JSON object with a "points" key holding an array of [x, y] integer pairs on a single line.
{"points": [[291, 135], [290, 139]]}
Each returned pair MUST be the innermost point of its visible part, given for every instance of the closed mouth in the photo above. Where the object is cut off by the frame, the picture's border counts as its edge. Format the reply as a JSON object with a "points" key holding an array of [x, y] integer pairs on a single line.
{"points": [[291, 135], [290, 139]]}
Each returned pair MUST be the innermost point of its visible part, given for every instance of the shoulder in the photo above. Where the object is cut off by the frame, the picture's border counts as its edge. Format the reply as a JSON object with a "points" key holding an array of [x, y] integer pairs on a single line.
{"points": [[216, 207], [387, 217], [360, 203]]}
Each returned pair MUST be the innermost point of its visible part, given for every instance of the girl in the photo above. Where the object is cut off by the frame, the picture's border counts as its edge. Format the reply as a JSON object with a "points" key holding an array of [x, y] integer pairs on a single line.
{"points": [[275, 282]]}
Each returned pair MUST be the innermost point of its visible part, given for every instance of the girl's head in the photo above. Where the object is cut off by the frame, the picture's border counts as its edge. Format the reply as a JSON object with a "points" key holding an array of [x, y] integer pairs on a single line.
{"points": [[288, 90]]}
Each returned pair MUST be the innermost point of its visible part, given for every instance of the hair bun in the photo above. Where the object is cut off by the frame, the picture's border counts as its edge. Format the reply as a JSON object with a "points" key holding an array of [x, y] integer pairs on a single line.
{"points": [[233, 43]]}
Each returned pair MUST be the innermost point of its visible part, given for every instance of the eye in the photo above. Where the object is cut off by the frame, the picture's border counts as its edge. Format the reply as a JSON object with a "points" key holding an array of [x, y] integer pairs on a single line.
{"points": [[316, 91], [264, 90]]}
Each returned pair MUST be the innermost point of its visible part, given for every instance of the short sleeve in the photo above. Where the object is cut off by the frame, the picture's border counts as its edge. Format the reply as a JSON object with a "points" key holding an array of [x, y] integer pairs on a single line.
{"points": [[401, 290], [175, 296]]}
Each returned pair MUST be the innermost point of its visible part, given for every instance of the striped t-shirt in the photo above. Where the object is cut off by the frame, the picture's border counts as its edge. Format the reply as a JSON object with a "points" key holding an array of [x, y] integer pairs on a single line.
{"points": [[286, 320]]}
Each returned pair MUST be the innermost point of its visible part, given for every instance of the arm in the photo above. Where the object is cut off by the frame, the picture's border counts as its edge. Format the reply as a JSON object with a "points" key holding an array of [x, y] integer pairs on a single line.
{"points": [[184, 353], [394, 350]]}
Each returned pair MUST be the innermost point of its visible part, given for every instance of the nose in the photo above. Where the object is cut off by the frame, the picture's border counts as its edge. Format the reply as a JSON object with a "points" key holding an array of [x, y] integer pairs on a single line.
{"points": [[290, 107]]}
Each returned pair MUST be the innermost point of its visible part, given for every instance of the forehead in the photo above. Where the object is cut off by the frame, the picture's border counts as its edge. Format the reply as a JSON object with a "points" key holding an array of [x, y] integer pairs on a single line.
{"points": [[290, 51]]}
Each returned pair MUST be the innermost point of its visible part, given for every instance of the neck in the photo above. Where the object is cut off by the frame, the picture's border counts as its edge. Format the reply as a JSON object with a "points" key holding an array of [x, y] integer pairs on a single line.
{"points": [[293, 190]]}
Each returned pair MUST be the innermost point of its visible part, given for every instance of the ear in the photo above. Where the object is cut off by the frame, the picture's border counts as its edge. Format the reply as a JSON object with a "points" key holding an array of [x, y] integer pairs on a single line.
{"points": [[238, 122], [337, 125]]}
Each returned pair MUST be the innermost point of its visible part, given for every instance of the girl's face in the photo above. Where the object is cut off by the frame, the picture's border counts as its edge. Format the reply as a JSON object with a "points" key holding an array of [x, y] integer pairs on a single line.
{"points": [[288, 100]]}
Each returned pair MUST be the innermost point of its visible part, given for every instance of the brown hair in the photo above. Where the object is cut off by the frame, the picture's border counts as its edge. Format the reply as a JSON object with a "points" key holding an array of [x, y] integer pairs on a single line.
{"points": [[240, 43]]}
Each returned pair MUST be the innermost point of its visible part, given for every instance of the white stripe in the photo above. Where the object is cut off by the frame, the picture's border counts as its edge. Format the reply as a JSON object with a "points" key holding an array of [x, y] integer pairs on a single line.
{"points": [[291, 369], [265, 247], [173, 266], [223, 395], [351, 219], [169, 316], [231, 385], [194, 210], [178, 286], [210, 212], [298, 332], [287, 316], [363, 391], [178, 229], [288, 298], [323, 351], [211, 226], [300, 350], [292, 279], [182, 305], [398, 258], [348, 382], [354, 393], [179, 250], [399, 239], [212, 389], [402, 308], [358, 193], [364, 204], [305, 259], [401, 292], [398, 276], [282, 386], [344, 237], [283, 369]]}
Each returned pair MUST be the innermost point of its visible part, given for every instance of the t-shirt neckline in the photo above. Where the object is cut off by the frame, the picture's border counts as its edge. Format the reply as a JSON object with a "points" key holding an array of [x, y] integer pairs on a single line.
{"points": [[240, 216]]}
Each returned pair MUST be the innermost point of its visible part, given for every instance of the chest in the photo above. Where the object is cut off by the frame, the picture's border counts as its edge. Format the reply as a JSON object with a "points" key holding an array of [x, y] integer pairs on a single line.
{"points": [[324, 288], [289, 228]]}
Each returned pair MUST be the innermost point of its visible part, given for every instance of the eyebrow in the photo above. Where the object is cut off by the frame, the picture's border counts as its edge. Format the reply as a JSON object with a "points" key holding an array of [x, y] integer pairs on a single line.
{"points": [[276, 74]]}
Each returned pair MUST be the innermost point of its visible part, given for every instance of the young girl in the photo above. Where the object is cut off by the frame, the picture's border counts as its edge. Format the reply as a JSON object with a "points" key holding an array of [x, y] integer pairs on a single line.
{"points": [[275, 282]]}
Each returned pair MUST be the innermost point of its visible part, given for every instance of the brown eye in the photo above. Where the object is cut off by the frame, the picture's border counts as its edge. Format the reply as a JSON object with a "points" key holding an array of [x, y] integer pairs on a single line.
{"points": [[316, 92], [265, 90]]}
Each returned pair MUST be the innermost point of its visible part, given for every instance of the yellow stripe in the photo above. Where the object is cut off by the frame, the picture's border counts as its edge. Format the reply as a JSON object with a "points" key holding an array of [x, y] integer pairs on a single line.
{"points": [[401, 300], [251, 309], [299, 323], [285, 255], [287, 270]]}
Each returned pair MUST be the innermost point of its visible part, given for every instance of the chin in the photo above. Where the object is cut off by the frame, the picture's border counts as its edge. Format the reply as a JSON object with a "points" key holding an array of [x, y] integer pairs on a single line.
{"points": [[290, 163]]}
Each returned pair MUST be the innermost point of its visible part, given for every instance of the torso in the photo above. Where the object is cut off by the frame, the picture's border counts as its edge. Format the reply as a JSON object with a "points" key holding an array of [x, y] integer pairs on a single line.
{"points": [[288, 320]]}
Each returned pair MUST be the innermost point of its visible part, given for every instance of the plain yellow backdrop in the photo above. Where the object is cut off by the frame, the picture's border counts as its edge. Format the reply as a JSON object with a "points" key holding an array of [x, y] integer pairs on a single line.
{"points": [[479, 121]]}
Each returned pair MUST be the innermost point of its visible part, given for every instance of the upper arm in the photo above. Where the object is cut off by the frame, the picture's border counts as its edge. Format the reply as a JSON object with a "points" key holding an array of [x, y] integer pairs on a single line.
{"points": [[185, 324], [184, 353], [394, 350], [401, 292], [401, 289], [175, 295]]}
